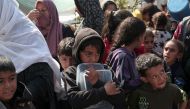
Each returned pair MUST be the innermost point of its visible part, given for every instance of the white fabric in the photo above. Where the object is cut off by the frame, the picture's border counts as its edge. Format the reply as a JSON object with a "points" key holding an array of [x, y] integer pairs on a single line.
{"points": [[21, 41]]}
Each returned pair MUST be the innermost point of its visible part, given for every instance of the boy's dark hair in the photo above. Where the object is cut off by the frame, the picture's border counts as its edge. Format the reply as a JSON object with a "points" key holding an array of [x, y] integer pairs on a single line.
{"points": [[65, 46], [6, 64], [129, 30], [106, 4], [146, 61], [94, 42], [159, 19]]}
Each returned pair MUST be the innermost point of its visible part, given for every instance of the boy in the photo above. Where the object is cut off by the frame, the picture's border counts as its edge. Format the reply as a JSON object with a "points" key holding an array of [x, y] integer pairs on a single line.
{"points": [[11, 92], [88, 48], [65, 52], [155, 93]]}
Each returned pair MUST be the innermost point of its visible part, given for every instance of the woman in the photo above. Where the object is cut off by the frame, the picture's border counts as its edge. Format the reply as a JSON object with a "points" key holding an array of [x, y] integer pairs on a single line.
{"points": [[46, 18]]}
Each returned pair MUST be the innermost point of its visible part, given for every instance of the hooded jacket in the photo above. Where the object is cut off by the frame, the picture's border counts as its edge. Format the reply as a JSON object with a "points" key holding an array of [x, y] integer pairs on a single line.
{"points": [[83, 99], [92, 13]]}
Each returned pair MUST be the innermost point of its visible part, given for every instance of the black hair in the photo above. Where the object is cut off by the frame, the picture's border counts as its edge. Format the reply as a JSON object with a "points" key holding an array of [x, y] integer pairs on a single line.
{"points": [[112, 22], [149, 8], [159, 20], [6, 64], [65, 46], [107, 3], [129, 30], [146, 61], [94, 42]]}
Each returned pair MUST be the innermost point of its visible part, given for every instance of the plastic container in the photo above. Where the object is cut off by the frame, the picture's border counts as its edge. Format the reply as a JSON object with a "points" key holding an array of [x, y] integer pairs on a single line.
{"points": [[104, 74], [178, 9]]}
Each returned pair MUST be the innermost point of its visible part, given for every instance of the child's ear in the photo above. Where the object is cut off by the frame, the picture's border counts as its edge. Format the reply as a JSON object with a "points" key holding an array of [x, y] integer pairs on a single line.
{"points": [[144, 79]]}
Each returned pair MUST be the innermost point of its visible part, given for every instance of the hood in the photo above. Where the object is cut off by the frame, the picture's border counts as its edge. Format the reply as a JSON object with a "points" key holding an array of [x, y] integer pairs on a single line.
{"points": [[84, 35]]}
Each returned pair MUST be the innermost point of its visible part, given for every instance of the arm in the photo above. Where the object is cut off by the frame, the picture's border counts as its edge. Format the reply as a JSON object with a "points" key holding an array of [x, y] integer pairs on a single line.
{"points": [[81, 99]]}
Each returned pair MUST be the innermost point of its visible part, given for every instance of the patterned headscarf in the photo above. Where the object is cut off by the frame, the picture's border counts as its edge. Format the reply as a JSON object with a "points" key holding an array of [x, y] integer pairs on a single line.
{"points": [[51, 26], [92, 13]]}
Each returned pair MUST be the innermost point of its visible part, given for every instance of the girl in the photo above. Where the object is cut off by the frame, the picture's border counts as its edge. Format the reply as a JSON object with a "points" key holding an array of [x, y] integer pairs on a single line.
{"points": [[46, 18], [172, 54], [122, 57], [161, 34], [111, 23]]}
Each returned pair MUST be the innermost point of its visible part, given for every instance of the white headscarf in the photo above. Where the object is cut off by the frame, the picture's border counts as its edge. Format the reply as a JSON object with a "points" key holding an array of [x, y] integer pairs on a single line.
{"points": [[21, 41]]}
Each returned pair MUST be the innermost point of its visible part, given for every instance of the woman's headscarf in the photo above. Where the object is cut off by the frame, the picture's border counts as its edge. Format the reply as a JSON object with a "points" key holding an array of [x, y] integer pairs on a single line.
{"points": [[21, 41], [92, 13], [54, 30]]}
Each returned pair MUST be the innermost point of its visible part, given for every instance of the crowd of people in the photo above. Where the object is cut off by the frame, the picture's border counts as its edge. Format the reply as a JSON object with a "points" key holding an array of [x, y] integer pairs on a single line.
{"points": [[146, 52]]}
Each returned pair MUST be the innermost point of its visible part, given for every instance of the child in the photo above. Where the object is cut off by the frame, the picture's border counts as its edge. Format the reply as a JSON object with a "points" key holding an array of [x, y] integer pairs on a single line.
{"points": [[111, 23], [172, 54], [155, 93], [161, 34], [122, 57], [147, 45], [65, 52], [89, 48], [11, 92]]}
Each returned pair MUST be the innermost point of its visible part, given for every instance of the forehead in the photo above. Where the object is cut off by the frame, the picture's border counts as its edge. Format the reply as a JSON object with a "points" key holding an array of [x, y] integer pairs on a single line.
{"points": [[155, 70], [148, 38], [171, 44], [91, 48], [4, 74]]}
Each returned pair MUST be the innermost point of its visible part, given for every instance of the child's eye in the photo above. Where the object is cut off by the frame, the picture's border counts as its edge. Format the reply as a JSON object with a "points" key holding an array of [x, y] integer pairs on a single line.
{"points": [[1, 81], [13, 78]]}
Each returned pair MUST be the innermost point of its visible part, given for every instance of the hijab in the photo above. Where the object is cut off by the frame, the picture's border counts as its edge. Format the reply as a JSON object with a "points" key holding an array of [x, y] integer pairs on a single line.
{"points": [[50, 26]]}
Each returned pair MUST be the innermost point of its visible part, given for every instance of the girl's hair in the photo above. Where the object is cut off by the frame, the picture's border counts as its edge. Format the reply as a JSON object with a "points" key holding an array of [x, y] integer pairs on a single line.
{"points": [[179, 44], [149, 8], [112, 21], [148, 33], [65, 46], [129, 30], [6, 64], [159, 20], [106, 4]]}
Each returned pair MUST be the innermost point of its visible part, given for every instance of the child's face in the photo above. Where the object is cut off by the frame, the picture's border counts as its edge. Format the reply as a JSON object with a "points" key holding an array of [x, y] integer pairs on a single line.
{"points": [[89, 55], [139, 41], [170, 52], [111, 7], [65, 61], [148, 44], [156, 77], [8, 85]]}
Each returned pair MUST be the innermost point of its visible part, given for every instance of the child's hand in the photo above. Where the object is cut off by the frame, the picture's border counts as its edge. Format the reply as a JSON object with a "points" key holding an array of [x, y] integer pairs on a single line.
{"points": [[92, 75], [111, 88]]}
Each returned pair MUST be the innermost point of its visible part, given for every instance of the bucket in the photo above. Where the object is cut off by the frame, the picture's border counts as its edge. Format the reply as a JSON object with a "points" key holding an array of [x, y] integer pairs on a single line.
{"points": [[178, 9]]}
